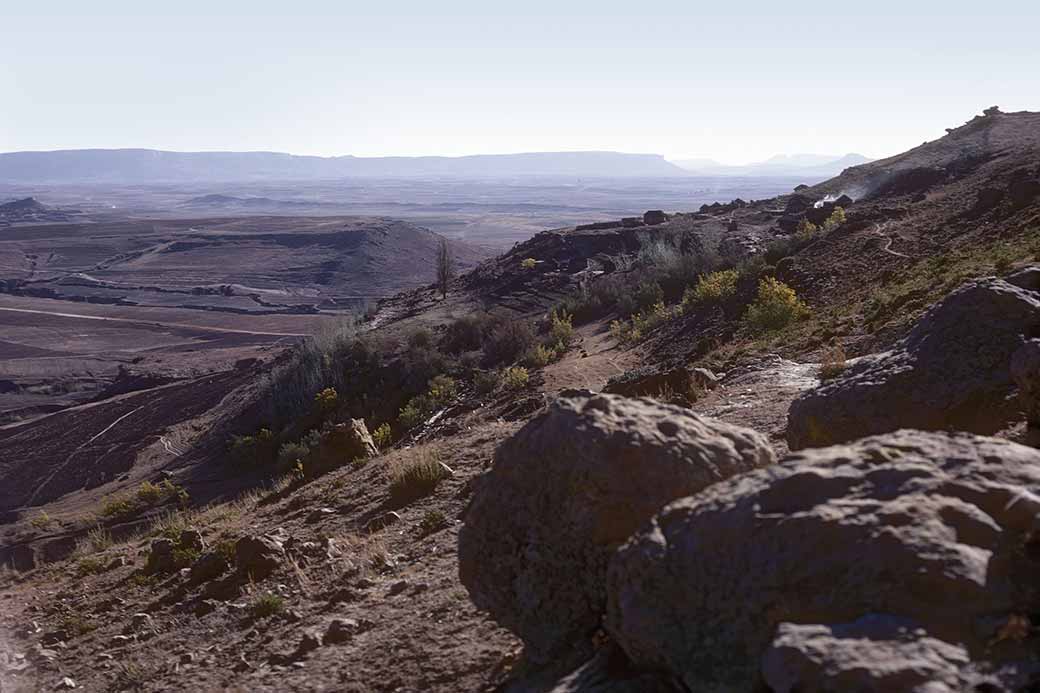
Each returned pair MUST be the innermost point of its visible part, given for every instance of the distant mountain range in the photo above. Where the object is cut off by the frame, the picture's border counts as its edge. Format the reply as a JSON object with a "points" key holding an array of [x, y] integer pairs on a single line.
{"points": [[148, 165], [817, 166]]}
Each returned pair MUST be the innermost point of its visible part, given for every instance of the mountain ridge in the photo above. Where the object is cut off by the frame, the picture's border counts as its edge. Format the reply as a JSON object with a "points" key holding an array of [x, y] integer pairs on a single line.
{"points": [[136, 165]]}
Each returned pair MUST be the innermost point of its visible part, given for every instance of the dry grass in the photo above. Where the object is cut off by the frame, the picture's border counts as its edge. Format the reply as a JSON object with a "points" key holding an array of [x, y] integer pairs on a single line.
{"points": [[95, 541], [416, 473], [833, 363]]}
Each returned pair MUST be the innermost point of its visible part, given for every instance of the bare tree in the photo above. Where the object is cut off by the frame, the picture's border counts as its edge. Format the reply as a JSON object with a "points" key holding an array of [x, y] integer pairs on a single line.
{"points": [[445, 267]]}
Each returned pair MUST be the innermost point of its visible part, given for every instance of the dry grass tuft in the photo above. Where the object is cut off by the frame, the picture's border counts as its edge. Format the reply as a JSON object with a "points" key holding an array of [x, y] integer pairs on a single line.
{"points": [[416, 473]]}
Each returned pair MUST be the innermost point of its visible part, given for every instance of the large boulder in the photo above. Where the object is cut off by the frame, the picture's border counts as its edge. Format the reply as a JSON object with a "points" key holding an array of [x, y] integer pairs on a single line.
{"points": [[929, 533], [342, 444], [567, 490], [1025, 369], [951, 372]]}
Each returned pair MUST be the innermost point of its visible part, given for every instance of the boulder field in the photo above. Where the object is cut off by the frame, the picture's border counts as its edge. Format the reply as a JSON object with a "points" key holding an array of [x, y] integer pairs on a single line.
{"points": [[899, 562]]}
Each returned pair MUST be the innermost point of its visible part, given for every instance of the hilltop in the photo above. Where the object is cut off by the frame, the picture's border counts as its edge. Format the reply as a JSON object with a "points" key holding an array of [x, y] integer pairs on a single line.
{"points": [[333, 515]]}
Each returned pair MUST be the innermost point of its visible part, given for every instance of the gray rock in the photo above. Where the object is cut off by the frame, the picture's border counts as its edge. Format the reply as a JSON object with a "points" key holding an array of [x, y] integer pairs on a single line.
{"points": [[209, 566], [382, 521], [951, 372], [341, 630], [569, 488], [1025, 370], [651, 381], [310, 641], [874, 653], [258, 555], [922, 527], [654, 217], [341, 445], [160, 556]]}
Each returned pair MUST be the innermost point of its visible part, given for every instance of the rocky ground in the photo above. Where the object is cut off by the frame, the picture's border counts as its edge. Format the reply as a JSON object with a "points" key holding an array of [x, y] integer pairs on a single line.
{"points": [[538, 535]]}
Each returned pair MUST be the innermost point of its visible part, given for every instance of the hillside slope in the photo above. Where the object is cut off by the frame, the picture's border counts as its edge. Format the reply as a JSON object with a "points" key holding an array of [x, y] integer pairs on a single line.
{"points": [[344, 573]]}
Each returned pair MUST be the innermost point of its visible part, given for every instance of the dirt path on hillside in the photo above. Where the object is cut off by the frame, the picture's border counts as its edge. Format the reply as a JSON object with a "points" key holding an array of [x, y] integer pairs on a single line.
{"points": [[593, 359], [759, 397]]}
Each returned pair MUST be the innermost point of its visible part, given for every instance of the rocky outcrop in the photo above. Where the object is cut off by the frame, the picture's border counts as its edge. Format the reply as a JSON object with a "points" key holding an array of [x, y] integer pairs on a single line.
{"points": [[654, 381], [341, 445], [951, 372], [872, 566], [654, 217], [259, 556], [570, 487]]}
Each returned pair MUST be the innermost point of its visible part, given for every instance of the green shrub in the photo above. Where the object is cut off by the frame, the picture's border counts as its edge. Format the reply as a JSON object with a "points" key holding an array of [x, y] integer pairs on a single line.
{"points": [[647, 294], [118, 507], [529, 263], [836, 219], [508, 342], [90, 565], [442, 389], [413, 413], [383, 436], [325, 401], [149, 493], [806, 230], [421, 338], [515, 378], [539, 356], [485, 382], [775, 306], [714, 287], [466, 333], [41, 521], [291, 453], [267, 604], [433, 521], [561, 329]]}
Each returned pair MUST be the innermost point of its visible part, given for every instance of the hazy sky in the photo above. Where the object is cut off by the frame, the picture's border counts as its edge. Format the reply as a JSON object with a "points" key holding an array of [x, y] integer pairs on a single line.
{"points": [[735, 81]]}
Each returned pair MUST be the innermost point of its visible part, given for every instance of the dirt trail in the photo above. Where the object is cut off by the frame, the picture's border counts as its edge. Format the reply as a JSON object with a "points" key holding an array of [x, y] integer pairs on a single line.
{"points": [[603, 361], [760, 397], [879, 229], [153, 323]]}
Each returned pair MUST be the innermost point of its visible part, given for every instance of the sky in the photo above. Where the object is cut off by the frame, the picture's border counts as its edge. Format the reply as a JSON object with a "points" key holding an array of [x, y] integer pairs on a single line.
{"points": [[731, 81]]}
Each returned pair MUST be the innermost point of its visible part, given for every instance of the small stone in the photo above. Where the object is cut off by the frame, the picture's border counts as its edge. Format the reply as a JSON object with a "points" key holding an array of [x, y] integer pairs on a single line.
{"points": [[206, 606], [209, 566], [54, 636], [397, 587], [310, 641], [187, 658], [340, 630], [66, 683], [382, 521], [191, 539], [160, 557], [140, 621], [320, 514], [259, 555], [122, 639]]}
